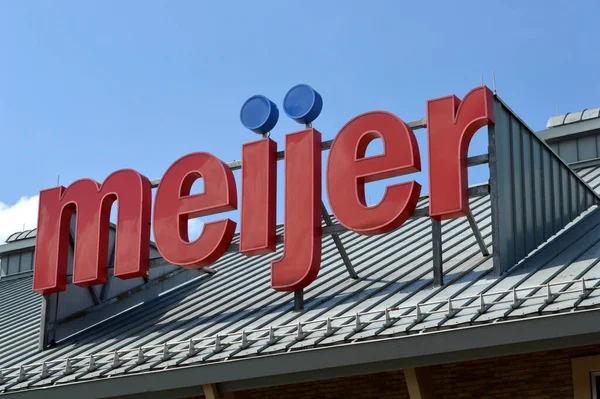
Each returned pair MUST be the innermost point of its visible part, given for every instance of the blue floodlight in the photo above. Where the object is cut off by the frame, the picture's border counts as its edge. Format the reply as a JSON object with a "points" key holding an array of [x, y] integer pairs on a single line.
{"points": [[303, 104], [259, 114]]}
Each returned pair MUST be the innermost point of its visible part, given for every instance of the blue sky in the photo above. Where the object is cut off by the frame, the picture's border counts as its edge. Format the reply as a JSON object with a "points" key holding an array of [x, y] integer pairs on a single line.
{"points": [[90, 87]]}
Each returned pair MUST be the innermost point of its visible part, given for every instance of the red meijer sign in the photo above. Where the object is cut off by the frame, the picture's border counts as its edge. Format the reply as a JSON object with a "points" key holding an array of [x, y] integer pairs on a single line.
{"points": [[451, 124]]}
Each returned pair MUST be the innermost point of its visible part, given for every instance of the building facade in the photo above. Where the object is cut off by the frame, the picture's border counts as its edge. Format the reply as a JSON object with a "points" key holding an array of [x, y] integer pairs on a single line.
{"points": [[500, 303]]}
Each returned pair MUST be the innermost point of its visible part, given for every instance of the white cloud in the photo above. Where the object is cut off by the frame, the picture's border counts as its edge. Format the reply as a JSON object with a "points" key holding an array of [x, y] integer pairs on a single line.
{"points": [[13, 217]]}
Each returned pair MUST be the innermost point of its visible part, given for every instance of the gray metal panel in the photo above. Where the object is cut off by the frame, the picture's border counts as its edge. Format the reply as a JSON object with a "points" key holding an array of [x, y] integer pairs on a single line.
{"points": [[577, 147], [537, 182], [547, 192], [586, 148], [518, 188], [529, 193], [501, 142], [17, 246], [568, 151], [13, 263], [565, 194], [524, 218], [557, 198], [74, 299], [26, 261], [558, 133]]}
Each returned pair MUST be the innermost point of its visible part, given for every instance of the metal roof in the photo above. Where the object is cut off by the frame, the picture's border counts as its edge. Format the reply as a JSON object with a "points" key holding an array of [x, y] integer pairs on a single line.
{"points": [[19, 318], [234, 314]]}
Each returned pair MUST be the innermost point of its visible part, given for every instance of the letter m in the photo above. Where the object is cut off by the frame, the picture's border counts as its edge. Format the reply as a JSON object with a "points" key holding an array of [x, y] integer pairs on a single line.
{"points": [[92, 203]]}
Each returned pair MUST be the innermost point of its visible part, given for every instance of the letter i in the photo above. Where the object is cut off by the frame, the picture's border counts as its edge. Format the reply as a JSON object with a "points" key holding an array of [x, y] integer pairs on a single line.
{"points": [[259, 179]]}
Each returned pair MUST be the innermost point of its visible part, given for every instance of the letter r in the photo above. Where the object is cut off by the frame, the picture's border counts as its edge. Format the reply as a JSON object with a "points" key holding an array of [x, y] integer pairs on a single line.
{"points": [[451, 124]]}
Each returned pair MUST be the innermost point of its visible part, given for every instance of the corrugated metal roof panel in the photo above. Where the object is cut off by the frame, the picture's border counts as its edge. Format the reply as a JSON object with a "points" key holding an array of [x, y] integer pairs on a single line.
{"points": [[20, 310], [393, 295]]}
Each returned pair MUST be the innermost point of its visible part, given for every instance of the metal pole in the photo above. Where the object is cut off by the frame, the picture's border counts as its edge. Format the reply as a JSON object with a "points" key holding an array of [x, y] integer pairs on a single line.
{"points": [[48, 321], [436, 236], [338, 243], [325, 145], [298, 300], [477, 235]]}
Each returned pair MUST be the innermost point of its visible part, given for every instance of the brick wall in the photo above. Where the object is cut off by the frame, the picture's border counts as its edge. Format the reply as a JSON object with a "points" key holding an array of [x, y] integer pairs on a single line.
{"points": [[542, 375], [381, 385]]}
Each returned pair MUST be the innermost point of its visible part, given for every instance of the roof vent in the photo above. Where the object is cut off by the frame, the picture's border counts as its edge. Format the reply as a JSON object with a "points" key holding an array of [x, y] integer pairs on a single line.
{"points": [[572, 117], [17, 254], [21, 235]]}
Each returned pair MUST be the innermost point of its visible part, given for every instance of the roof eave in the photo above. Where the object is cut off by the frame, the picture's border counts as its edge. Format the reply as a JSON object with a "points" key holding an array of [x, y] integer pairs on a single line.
{"points": [[527, 335], [17, 246], [571, 130]]}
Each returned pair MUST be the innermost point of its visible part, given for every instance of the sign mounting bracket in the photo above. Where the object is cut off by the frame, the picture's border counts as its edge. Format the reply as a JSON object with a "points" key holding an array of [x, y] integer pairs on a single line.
{"points": [[338, 243]]}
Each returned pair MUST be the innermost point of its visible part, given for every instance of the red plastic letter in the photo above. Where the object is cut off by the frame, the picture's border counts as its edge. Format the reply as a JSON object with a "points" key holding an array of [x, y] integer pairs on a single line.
{"points": [[451, 124], [174, 206], [259, 197], [348, 170], [92, 203], [301, 259]]}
